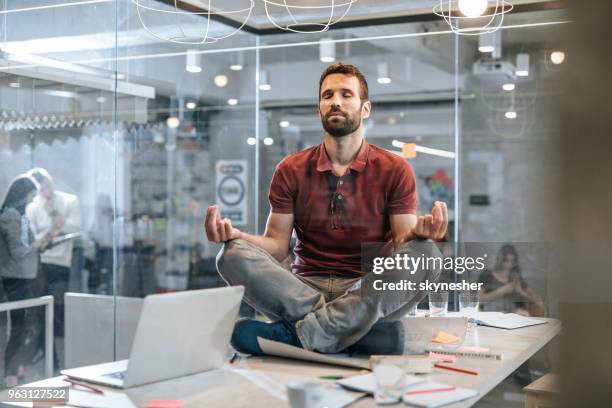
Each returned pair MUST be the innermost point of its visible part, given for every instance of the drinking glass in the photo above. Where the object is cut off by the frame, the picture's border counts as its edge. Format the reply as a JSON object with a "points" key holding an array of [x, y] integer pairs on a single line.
{"points": [[390, 382], [468, 306], [438, 303]]}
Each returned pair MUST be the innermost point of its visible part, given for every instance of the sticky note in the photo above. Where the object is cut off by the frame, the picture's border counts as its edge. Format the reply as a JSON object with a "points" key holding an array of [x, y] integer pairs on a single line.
{"points": [[445, 338], [443, 357], [164, 404], [473, 349]]}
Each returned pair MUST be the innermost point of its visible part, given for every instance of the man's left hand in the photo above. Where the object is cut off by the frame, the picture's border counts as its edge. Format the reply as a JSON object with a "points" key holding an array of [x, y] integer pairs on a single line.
{"points": [[432, 226]]}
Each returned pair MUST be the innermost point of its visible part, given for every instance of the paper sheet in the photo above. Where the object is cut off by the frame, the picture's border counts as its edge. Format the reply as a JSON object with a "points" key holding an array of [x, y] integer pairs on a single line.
{"points": [[274, 348], [506, 320], [436, 399], [445, 338]]}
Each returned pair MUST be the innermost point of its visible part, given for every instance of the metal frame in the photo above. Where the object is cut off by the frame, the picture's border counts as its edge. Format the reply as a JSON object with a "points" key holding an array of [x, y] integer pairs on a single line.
{"points": [[47, 302]]}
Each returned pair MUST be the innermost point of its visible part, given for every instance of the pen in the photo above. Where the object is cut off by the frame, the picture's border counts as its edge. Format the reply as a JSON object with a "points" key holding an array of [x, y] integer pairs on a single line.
{"points": [[430, 390], [459, 370], [331, 377], [233, 358], [87, 386]]}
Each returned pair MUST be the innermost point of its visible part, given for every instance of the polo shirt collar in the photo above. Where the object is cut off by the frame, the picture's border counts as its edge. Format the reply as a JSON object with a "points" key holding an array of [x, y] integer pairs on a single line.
{"points": [[324, 164]]}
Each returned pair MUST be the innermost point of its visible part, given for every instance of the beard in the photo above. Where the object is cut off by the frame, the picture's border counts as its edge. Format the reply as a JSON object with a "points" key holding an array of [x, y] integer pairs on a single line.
{"points": [[339, 126]]}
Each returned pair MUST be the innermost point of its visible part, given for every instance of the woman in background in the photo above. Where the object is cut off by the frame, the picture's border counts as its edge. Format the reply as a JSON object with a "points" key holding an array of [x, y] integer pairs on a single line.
{"points": [[19, 264], [505, 290]]}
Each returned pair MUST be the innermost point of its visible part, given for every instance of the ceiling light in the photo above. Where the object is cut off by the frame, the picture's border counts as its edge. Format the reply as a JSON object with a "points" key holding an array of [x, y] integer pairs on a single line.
{"points": [[557, 57], [490, 43], [118, 76], [264, 81], [221, 80], [397, 143], [100, 99], [284, 123], [472, 8], [383, 73], [268, 141], [522, 65], [232, 101], [190, 105], [193, 61], [511, 115], [251, 141], [15, 85], [327, 50], [173, 122], [238, 64], [508, 87]]}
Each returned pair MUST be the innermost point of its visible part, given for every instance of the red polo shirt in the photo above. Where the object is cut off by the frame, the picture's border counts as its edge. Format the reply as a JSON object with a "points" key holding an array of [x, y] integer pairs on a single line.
{"points": [[335, 215]]}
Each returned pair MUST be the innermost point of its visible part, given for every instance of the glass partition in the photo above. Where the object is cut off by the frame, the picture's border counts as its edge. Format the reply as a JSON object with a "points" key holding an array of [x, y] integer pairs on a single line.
{"points": [[138, 127]]}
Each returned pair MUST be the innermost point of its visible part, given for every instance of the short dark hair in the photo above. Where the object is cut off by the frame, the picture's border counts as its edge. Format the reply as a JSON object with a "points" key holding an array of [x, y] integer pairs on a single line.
{"points": [[346, 69]]}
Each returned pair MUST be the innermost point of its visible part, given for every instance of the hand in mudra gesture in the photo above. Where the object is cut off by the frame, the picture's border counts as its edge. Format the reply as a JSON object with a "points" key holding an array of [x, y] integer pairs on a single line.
{"points": [[432, 226]]}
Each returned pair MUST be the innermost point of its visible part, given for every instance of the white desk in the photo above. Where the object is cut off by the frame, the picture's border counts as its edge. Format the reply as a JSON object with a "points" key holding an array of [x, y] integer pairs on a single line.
{"points": [[260, 381]]}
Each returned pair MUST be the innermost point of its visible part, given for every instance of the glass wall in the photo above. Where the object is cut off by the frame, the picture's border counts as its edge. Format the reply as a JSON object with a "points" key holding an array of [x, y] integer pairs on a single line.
{"points": [[140, 128]]}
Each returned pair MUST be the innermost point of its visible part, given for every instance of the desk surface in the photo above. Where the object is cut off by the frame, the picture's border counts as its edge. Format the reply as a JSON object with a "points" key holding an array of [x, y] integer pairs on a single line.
{"points": [[260, 381]]}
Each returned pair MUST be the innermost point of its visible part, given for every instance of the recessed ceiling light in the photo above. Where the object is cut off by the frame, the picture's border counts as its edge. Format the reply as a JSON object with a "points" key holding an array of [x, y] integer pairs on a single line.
{"points": [[15, 85], [557, 57], [384, 80], [383, 73], [251, 141], [232, 101], [508, 87], [265, 87], [284, 123], [100, 99], [221, 80], [268, 141], [236, 67], [173, 122], [511, 115], [190, 105]]}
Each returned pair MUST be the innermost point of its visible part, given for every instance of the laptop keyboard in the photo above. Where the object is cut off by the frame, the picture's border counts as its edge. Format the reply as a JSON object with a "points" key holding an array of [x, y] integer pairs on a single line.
{"points": [[117, 375]]}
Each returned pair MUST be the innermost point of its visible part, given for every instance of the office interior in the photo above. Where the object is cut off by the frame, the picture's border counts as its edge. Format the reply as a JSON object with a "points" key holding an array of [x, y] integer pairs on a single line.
{"points": [[147, 117]]}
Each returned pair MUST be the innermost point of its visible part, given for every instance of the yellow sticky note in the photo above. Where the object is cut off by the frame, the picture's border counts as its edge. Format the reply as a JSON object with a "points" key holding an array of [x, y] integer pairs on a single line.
{"points": [[445, 338]]}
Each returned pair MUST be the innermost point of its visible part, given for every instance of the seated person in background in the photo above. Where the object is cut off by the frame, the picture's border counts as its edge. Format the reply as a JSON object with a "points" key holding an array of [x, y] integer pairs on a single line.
{"points": [[337, 196], [505, 290]]}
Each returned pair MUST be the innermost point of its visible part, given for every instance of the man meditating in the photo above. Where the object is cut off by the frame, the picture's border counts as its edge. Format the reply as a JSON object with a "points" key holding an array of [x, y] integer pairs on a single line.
{"points": [[337, 196]]}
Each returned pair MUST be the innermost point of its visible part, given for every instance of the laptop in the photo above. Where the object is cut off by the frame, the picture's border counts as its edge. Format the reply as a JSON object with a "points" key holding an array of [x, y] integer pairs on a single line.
{"points": [[178, 334]]}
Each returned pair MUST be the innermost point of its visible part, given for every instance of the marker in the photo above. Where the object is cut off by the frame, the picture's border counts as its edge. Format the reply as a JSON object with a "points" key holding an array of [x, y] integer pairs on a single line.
{"points": [[430, 391], [331, 377], [459, 370], [233, 358]]}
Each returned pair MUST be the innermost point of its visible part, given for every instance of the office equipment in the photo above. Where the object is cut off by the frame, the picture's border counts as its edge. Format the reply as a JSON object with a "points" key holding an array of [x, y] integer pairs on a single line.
{"points": [[462, 353], [459, 370], [436, 399], [277, 349], [171, 340]]}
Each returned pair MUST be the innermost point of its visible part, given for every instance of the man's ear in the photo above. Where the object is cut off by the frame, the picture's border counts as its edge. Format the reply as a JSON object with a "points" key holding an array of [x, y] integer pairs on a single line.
{"points": [[366, 108]]}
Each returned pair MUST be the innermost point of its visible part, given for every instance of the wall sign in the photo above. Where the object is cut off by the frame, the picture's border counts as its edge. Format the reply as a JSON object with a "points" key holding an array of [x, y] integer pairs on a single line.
{"points": [[231, 190]]}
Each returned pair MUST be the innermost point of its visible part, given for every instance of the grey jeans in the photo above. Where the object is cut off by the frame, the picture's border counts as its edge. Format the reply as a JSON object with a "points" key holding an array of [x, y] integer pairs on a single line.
{"points": [[329, 313]]}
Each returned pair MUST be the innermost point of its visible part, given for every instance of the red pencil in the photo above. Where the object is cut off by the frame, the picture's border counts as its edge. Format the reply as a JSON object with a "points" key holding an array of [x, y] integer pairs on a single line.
{"points": [[431, 390], [459, 370]]}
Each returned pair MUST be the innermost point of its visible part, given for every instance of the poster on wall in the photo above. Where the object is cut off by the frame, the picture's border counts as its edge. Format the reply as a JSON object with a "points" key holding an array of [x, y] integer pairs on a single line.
{"points": [[231, 190]]}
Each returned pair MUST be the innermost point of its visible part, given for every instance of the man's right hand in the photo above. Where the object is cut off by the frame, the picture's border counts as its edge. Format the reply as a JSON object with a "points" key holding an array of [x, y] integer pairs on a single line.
{"points": [[218, 230]]}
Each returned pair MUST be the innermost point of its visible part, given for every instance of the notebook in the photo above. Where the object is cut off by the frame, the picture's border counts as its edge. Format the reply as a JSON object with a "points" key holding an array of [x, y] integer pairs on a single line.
{"points": [[436, 399], [367, 383]]}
